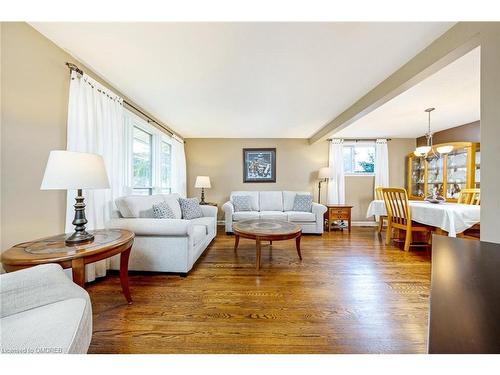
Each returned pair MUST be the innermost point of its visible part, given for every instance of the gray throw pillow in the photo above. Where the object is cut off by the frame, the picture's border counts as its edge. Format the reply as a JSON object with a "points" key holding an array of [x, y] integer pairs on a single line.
{"points": [[163, 211], [303, 202], [190, 208], [242, 203]]}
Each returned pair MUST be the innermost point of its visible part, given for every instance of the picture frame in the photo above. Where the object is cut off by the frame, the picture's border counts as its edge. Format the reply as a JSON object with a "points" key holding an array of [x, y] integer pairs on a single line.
{"points": [[259, 165]]}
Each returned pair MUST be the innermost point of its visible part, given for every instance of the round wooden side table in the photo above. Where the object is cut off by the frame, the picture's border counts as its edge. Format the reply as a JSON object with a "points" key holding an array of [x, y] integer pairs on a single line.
{"points": [[106, 243]]}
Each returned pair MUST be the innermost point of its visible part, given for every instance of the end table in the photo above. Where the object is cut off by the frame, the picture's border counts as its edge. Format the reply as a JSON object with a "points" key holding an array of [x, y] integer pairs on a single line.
{"points": [[106, 243], [336, 212]]}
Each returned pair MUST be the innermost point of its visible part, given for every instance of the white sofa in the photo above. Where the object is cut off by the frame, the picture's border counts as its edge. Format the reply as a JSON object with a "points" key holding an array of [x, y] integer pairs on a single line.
{"points": [[275, 205], [163, 245], [43, 311]]}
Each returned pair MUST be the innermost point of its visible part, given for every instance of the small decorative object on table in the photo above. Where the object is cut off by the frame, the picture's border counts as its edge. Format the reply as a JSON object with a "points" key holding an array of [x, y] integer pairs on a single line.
{"points": [[259, 165], [436, 199], [67, 170], [202, 182]]}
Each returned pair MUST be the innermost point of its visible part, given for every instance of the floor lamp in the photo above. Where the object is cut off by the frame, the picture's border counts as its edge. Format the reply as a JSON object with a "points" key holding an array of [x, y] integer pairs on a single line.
{"points": [[324, 174]]}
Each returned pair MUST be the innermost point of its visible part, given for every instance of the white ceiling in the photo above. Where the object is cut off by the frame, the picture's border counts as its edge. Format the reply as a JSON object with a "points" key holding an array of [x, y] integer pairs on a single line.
{"points": [[453, 91], [244, 79]]}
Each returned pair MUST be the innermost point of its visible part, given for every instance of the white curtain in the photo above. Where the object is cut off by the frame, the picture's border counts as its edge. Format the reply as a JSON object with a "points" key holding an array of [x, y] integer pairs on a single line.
{"points": [[96, 125], [336, 190], [381, 163], [178, 167]]}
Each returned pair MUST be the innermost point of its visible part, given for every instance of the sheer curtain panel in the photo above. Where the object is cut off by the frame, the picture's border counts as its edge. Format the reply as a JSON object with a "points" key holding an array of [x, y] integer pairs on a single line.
{"points": [[381, 163], [178, 167], [336, 184], [96, 125]]}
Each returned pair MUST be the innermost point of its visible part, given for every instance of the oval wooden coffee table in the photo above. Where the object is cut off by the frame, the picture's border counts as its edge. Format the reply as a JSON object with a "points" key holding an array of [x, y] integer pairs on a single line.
{"points": [[106, 243], [266, 230]]}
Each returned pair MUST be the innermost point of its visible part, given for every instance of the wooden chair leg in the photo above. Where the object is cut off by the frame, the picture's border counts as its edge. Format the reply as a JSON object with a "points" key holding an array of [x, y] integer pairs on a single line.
{"points": [[408, 240], [388, 234], [380, 224]]}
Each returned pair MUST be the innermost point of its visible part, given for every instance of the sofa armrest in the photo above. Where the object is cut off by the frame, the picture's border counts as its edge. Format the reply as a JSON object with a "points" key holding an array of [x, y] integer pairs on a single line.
{"points": [[209, 211], [36, 286], [318, 210], [153, 227], [228, 207]]}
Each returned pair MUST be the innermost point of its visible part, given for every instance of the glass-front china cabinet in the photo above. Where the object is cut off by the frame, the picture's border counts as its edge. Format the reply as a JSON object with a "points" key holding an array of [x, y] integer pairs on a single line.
{"points": [[445, 175]]}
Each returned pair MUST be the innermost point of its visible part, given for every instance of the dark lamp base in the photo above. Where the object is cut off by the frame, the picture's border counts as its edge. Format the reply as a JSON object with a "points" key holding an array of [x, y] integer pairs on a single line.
{"points": [[79, 237]]}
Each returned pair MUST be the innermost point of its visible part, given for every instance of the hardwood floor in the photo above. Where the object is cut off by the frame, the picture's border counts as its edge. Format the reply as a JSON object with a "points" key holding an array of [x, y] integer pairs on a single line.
{"points": [[350, 294]]}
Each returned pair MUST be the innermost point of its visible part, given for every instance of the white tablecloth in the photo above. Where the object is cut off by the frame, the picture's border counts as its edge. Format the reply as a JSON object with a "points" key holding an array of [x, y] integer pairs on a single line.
{"points": [[451, 217]]}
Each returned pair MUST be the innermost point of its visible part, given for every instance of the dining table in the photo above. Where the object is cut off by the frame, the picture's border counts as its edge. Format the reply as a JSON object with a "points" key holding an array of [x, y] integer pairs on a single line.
{"points": [[452, 218]]}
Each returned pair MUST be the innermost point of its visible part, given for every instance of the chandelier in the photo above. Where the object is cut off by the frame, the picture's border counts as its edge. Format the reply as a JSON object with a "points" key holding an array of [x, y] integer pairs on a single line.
{"points": [[427, 152]]}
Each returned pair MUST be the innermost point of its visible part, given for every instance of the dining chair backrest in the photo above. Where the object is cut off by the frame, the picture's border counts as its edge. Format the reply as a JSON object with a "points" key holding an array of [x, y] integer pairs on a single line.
{"points": [[470, 196], [378, 193], [397, 205]]}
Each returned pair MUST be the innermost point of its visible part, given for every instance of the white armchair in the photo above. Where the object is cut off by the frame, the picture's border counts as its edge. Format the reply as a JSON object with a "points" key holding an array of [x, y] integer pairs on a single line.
{"points": [[43, 311]]}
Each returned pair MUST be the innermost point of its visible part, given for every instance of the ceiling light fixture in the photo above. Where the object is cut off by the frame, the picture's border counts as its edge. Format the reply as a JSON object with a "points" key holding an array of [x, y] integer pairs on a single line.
{"points": [[426, 151]]}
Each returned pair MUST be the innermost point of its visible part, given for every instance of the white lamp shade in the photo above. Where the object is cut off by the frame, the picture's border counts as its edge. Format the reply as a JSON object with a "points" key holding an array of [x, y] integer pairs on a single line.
{"points": [[422, 150], [445, 149], [325, 172], [202, 182], [67, 170]]}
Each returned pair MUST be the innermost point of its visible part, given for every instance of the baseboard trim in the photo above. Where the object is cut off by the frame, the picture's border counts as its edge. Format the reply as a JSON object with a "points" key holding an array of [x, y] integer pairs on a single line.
{"points": [[364, 224], [222, 223]]}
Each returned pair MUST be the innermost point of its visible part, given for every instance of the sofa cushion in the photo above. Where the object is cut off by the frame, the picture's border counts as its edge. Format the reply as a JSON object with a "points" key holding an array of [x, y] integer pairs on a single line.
{"points": [[138, 205], [271, 201], [253, 194], [207, 221], [275, 215], [173, 202], [245, 215], [300, 216], [163, 211], [190, 208], [242, 203], [289, 198], [302, 202], [199, 234]]}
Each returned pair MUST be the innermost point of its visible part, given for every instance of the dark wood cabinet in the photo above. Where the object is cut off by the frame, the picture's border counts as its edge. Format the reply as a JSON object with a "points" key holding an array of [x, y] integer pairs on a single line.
{"points": [[465, 296]]}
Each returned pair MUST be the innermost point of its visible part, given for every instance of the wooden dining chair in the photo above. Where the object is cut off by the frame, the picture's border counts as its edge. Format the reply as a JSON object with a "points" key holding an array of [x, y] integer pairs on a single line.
{"points": [[379, 196], [399, 216], [470, 196]]}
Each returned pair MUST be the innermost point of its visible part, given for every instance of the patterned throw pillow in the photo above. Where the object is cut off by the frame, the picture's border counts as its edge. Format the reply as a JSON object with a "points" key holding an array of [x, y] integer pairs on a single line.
{"points": [[303, 202], [163, 211], [242, 203], [190, 208]]}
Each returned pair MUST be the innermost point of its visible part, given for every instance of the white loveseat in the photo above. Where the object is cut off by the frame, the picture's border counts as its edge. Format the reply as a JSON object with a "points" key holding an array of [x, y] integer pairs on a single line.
{"points": [[43, 311], [163, 245], [275, 205]]}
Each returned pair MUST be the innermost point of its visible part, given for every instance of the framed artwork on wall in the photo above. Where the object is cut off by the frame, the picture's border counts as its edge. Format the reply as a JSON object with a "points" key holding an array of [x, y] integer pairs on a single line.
{"points": [[259, 165]]}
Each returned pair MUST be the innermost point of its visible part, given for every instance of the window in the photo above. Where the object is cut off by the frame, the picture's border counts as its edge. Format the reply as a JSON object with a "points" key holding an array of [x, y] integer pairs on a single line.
{"points": [[149, 157], [359, 159], [142, 164]]}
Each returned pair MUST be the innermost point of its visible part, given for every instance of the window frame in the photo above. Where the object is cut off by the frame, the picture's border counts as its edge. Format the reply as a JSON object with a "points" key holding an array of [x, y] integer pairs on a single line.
{"points": [[157, 137], [353, 146]]}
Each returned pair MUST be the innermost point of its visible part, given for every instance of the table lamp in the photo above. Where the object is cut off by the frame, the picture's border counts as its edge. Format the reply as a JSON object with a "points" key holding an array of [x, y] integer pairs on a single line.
{"points": [[324, 174], [67, 170], [202, 182]]}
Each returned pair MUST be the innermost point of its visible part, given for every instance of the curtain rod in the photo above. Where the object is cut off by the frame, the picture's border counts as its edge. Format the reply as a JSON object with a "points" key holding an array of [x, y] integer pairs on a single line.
{"points": [[74, 67], [360, 139]]}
